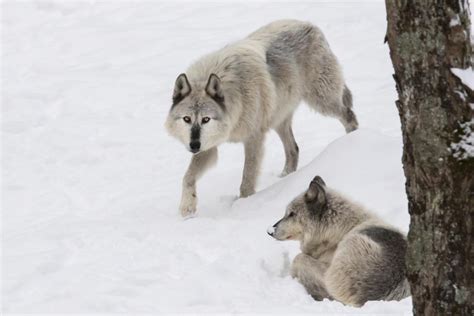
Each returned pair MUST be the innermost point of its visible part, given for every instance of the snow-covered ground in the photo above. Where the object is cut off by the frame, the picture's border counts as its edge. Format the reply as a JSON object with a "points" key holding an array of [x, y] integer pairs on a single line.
{"points": [[91, 181]]}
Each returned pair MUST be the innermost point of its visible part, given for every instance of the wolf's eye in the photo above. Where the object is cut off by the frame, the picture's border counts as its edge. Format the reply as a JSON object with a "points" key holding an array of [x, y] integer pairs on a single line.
{"points": [[187, 119], [291, 214], [205, 119]]}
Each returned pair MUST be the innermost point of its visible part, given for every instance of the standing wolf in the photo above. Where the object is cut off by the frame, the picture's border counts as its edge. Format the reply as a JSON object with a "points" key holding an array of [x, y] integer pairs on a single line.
{"points": [[244, 89], [347, 253]]}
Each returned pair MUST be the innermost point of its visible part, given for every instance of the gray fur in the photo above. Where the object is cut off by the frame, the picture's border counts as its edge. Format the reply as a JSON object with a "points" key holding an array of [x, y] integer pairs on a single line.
{"points": [[285, 54], [252, 86], [347, 253], [290, 146], [383, 282], [347, 97], [313, 281]]}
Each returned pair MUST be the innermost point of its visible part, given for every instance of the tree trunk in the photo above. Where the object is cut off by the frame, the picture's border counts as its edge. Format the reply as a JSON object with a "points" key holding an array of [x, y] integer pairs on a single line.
{"points": [[426, 40]]}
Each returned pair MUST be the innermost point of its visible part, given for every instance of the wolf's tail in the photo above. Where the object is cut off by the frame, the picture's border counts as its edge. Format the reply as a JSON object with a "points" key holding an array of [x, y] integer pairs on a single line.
{"points": [[400, 292], [349, 119], [347, 97]]}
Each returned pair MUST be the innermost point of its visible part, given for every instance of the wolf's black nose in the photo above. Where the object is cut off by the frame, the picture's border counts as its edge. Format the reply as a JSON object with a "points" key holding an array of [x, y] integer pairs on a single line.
{"points": [[195, 145], [271, 230]]}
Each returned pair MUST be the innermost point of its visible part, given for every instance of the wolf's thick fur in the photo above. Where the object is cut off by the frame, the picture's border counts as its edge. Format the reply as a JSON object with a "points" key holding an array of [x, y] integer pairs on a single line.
{"points": [[244, 89], [347, 253]]}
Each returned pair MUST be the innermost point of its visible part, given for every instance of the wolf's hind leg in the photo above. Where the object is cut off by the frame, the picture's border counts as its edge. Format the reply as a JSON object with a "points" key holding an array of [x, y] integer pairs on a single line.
{"points": [[253, 158], [310, 273], [291, 148], [200, 162]]}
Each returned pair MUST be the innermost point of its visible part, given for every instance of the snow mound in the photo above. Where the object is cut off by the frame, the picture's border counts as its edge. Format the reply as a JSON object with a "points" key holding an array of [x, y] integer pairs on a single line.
{"points": [[365, 164]]}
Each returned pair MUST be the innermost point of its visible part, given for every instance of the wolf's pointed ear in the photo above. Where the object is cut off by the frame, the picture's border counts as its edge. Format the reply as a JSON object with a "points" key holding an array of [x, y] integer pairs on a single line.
{"points": [[182, 88], [214, 89], [316, 193]]}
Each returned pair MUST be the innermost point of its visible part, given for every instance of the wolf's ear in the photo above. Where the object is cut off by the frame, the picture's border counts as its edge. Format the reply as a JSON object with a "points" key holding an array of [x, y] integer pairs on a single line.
{"points": [[214, 89], [316, 193], [182, 89]]}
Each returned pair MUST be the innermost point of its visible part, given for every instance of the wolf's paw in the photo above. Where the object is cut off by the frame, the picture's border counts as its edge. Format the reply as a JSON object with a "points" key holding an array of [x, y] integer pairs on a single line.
{"points": [[286, 171], [187, 211], [246, 190], [283, 174], [188, 206], [246, 193]]}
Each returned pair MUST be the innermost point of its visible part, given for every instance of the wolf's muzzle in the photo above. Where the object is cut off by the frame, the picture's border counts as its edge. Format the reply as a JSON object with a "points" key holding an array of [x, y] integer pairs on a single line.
{"points": [[271, 230], [195, 145]]}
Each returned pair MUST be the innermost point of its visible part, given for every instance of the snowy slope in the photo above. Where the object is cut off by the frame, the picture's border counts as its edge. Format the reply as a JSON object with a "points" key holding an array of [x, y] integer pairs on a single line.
{"points": [[91, 181]]}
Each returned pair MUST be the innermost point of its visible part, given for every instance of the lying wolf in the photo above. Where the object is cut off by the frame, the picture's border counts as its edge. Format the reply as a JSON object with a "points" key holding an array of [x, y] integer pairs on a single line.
{"points": [[347, 253], [245, 89]]}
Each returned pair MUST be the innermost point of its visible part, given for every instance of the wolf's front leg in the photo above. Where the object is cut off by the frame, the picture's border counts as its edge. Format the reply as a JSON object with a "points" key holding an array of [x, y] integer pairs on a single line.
{"points": [[253, 159], [310, 273], [199, 163]]}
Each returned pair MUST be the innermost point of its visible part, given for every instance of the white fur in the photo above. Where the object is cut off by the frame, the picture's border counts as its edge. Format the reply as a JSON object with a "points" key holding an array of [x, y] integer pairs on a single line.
{"points": [[261, 79]]}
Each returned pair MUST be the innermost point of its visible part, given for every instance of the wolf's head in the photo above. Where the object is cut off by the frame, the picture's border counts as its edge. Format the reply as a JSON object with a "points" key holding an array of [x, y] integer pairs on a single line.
{"points": [[304, 212], [198, 114]]}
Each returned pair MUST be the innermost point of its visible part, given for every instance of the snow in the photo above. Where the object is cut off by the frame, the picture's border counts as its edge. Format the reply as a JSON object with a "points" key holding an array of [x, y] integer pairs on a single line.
{"points": [[91, 181], [466, 76], [455, 21], [464, 149]]}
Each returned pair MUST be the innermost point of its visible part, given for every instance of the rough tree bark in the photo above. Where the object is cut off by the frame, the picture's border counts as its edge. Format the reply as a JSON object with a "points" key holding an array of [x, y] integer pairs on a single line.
{"points": [[426, 40]]}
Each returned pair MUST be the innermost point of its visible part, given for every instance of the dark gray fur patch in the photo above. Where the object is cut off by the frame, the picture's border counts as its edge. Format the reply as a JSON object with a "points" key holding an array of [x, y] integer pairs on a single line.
{"points": [[195, 132], [287, 49], [179, 96], [220, 101], [389, 272], [218, 96], [315, 197]]}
